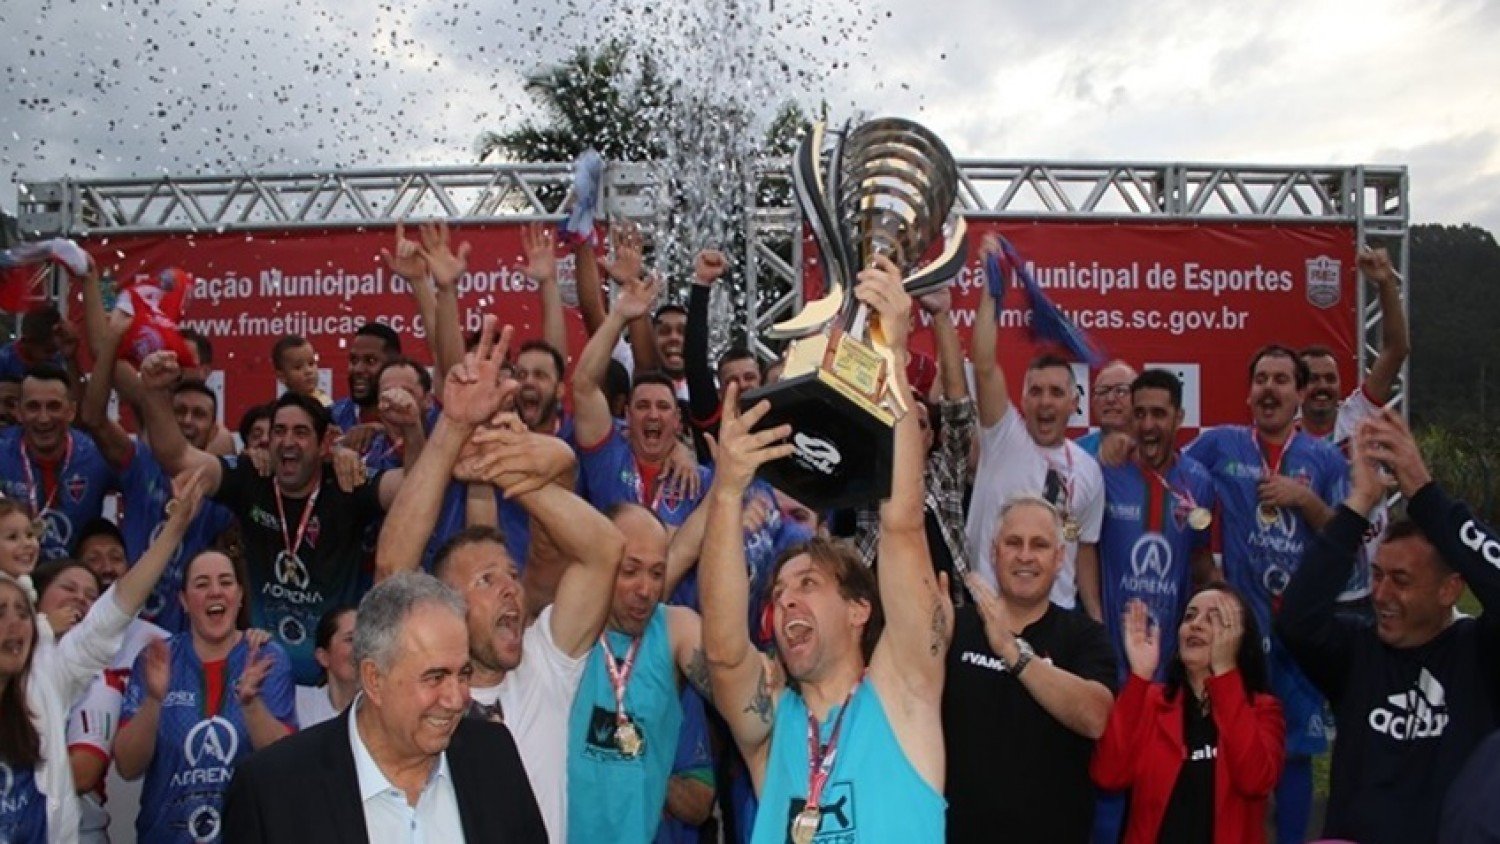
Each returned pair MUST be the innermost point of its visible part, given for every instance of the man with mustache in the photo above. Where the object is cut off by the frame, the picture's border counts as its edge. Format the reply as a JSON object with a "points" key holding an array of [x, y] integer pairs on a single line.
{"points": [[1324, 415], [525, 672], [1274, 485]]}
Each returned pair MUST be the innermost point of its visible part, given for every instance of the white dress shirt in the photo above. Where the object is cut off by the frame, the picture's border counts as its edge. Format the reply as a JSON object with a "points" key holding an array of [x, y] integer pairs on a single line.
{"points": [[389, 817]]}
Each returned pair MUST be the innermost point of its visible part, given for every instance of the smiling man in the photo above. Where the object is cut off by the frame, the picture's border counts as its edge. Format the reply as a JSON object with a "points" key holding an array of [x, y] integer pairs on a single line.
{"points": [[1110, 405], [402, 759], [1027, 450], [373, 344]]}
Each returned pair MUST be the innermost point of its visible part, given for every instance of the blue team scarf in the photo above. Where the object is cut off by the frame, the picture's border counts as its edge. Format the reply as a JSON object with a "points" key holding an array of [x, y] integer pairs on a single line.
{"points": [[588, 179], [1048, 323]]}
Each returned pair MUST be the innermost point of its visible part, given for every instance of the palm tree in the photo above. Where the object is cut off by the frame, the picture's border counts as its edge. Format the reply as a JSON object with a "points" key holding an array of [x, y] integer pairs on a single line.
{"points": [[590, 99]]}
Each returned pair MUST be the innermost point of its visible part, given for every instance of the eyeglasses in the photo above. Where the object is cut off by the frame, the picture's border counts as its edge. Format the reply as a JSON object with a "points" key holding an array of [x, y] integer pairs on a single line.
{"points": [[1119, 391]]}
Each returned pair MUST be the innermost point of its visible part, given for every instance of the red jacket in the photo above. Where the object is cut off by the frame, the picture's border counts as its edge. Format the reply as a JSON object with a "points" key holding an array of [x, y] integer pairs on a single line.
{"points": [[1142, 750]]}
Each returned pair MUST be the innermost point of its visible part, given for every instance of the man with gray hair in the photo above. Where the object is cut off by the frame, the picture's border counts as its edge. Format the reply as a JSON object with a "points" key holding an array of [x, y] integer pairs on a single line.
{"points": [[1028, 682], [401, 763]]}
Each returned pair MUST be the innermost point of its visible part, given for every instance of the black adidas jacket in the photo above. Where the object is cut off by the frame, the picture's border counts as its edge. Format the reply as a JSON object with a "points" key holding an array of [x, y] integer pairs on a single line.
{"points": [[1407, 718]]}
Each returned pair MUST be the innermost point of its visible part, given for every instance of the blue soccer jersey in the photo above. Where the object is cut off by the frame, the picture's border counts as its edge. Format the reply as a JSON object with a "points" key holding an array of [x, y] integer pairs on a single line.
{"points": [[199, 741], [14, 365], [147, 490], [66, 494], [1146, 546], [1263, 549], [611, 475], [23, 809]]}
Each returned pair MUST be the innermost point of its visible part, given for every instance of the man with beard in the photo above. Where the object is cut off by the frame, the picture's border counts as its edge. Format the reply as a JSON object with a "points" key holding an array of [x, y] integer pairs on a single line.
{"points": [[855, 741], [60, 473], [1323, 415], [628, 714], [669, 326], [1274, 486], [628, 465], [1110, 405], [302, 533], [146, 486], [374, 344], [1028, 450], [525, 676]]}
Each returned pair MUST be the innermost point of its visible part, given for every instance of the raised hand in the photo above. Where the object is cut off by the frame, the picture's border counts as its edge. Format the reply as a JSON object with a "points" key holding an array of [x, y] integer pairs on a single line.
{"points": [[757, 511], [1375, 265], [358, 438], [407, 260], [188, 490], [159, 371], [444, 264], [399, 409], [541, 261], [257, 664], [740, 449], [709, 266], [518, 461], [1226, 628], [627, 261], [1116, 448], [1142, 640], [637, 297], [1391, 442], [880, 287], [1283, 491], [158, 669], [348, 468], [474, 391], [680, 473]]}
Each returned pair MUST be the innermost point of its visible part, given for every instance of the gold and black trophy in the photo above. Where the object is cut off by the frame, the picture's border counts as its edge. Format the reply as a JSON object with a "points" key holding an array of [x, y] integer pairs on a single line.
{"points": [[887, 188]]}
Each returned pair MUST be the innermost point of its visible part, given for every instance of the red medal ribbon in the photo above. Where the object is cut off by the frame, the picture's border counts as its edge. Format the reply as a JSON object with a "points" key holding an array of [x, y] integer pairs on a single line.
{"points": [[1156, 506], [312, 501], [619, 674], [820, 756], [1265, 448], [57, 475]]}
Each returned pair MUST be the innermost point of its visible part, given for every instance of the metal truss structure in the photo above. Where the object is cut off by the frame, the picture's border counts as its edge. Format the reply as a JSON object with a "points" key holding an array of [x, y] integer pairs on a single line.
{"points": [[1373, 199]]}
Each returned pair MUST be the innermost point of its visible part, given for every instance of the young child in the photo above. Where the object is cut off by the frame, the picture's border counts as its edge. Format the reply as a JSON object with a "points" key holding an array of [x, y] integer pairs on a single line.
{"points": [[296, 363]]}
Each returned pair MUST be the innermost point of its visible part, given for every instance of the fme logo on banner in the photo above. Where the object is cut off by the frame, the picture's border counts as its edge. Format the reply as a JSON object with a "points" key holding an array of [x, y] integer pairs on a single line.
{"points": [[1323, 281]]}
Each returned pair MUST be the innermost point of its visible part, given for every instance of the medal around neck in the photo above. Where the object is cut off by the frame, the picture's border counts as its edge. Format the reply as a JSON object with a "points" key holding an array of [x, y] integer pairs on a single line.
{"points": [[628, 739], [805, 825], [1199, 518], [886, 187]]}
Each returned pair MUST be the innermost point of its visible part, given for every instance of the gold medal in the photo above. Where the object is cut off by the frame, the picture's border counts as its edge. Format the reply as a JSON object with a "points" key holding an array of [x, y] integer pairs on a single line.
{"points": [[1199, 518], [1071, 530], [628, 739], [805, 825], [1267, 514]]}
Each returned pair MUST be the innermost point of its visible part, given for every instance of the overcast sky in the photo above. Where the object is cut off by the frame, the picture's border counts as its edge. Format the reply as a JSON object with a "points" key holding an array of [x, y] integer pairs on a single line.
{"points": [[111, 88]]}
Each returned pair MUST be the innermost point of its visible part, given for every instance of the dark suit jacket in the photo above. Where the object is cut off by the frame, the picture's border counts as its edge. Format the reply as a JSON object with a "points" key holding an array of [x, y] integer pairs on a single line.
{"points": [[304, 788]]}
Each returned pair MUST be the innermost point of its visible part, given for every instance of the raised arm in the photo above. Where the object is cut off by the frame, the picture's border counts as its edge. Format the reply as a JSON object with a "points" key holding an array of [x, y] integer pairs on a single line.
{"points": [[703, 393], [627, 267], [527, 465], [989, 376], [591, 419], [1395, 339], [742, 678], [407, 261], [446, 266], [472, 394], [590, 290], [105, 334], [159, 371], [541, 267]]}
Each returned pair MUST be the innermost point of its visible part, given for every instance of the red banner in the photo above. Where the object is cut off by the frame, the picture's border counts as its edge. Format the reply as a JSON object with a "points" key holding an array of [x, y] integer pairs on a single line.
{"points": [[251, 289], [1198, 298], [1195, 298]]}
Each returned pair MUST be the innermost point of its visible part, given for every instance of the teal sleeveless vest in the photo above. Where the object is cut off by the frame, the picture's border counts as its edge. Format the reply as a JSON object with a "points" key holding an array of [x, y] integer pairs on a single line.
{"points": [[612, 797], [873, 792]]}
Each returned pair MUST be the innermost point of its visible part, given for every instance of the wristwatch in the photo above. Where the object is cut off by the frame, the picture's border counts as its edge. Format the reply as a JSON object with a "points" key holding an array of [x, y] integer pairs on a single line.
{"points": [[1024, 654]]}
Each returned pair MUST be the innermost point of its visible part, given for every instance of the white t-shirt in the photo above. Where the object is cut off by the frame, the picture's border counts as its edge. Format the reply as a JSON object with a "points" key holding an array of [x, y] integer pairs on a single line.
{"points": [[314, 706], [536, 699], [95, 717], [1010, 462]]}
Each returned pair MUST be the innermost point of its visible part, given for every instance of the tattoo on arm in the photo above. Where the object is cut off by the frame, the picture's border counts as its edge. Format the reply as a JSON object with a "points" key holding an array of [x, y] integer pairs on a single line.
{"points": [[760, 702], [939, 627], [696, 673]]}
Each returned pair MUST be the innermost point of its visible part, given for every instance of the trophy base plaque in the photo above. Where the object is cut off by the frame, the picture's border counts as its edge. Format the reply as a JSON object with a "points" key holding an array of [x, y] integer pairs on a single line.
{"points": [[830, 396]]}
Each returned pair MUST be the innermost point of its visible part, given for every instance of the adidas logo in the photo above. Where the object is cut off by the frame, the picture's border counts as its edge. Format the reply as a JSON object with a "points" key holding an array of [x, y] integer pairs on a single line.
{"points": [[1419, 713]]}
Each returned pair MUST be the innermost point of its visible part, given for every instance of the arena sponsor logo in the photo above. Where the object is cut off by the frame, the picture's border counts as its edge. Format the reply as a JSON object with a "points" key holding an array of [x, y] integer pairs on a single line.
{"points": [[1275, 543], [57, 530], [10, 806], [1150, 568], [1480, 542], [291, 596], [211, 741], [1421, 712]]}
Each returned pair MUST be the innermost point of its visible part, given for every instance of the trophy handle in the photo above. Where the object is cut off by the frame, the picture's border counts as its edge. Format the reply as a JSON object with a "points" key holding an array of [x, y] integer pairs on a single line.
{"points": [[812, 318]]}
